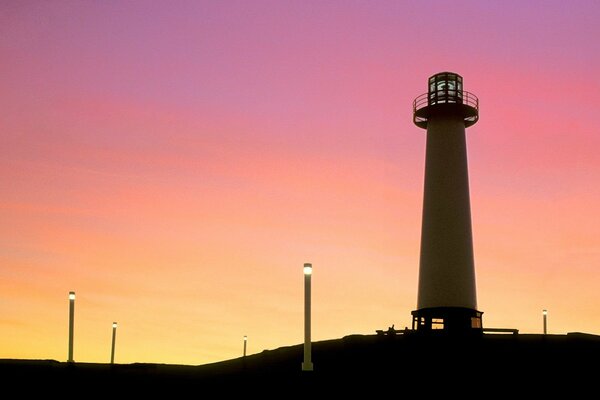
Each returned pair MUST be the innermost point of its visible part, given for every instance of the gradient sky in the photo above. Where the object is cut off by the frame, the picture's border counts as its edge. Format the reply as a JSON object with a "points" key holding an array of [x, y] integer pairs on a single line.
{"points": [[175, 163]]}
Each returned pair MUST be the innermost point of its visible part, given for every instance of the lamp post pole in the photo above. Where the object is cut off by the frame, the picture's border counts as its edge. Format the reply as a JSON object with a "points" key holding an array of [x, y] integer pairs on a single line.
{"points": [[71, 324], [114, 337], [545, 316], [245, 343], [307, 365]]}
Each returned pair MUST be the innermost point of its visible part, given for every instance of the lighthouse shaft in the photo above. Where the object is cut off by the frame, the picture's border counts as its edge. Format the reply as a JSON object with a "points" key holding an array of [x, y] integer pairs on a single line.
{"points": [[446, 272]]}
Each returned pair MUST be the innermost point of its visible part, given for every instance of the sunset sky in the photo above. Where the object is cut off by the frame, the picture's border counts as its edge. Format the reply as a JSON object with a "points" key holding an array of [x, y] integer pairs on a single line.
{"points": [[176, 162]]}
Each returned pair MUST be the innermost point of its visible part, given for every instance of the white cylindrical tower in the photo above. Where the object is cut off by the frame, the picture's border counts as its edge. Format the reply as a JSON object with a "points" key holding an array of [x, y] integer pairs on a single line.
{"points": [[447, 296]]}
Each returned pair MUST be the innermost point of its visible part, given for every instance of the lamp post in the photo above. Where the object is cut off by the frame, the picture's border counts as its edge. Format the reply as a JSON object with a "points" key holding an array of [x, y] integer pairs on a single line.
{"points": [[245, 343], [307, 365], [71, 324], [545, 316], [114, 336]]}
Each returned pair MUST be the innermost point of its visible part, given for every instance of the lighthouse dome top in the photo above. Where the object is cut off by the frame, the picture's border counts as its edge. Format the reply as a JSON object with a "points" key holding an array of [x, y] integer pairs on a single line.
{"points": [[445, 89]]}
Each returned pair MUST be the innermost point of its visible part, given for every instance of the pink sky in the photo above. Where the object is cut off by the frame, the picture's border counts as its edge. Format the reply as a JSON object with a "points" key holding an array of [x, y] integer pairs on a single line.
{"points": [[176, 163]]}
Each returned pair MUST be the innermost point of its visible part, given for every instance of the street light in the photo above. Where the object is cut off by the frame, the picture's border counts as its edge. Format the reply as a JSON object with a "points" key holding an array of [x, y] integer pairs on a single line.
{"points": [[545, 316], [114, 336], [307, 365], [245, 342], [71, 324]]}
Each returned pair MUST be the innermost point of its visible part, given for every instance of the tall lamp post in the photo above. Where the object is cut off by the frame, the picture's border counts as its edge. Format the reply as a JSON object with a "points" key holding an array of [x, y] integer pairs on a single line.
{"points": [[114, 337], [71, 324], [307, 365], [545, 316]]}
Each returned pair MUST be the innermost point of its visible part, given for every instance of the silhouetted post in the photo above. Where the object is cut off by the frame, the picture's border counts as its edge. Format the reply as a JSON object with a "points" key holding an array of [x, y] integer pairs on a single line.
{"points": [[545, 316], [307, 365], [114, 336], [245, 342], [71, 324]]}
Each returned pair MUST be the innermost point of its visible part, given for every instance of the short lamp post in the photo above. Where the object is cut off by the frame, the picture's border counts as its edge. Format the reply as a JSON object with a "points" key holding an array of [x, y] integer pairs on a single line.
{"points": [[71, 324], [307, 365], [114, 337], [545, 317], [245, 344]]}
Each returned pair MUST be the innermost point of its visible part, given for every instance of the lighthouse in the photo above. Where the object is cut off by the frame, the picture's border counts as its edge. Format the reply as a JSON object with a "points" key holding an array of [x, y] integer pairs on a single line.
{"points": [[447, 299]]}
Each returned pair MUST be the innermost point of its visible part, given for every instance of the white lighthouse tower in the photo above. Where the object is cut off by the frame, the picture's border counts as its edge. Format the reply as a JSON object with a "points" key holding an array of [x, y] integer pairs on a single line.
{"points": [[447, 297]]}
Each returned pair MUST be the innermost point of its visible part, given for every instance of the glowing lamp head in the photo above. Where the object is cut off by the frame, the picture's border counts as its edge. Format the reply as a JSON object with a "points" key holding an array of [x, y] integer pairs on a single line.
{"points": [[114, 324], [245, 338], [307, 269], [71, 295], [545, 312]]}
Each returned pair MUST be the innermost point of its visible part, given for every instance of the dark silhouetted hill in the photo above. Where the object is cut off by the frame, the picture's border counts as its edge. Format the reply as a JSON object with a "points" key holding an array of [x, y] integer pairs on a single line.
{"points": [[491, 365]]}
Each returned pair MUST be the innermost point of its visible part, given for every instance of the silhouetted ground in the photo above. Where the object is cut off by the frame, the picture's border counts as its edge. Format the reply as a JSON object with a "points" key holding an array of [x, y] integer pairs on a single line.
{"points": [[492, 365]]}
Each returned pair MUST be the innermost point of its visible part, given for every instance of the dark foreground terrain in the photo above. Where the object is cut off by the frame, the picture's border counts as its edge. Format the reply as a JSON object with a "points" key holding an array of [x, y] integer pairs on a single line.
{"points": [[401, 365]]}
